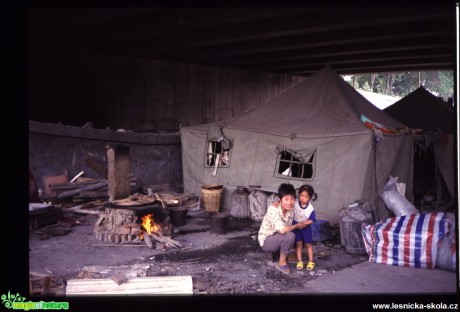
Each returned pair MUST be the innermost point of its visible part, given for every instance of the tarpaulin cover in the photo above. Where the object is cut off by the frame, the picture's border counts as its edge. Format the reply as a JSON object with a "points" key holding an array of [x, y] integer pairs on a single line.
{"points": [[409, 241]]}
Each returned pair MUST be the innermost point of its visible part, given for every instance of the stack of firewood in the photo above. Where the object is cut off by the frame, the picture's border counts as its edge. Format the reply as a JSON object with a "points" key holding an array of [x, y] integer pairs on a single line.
{"points": [[84, 189], [162, 241]]}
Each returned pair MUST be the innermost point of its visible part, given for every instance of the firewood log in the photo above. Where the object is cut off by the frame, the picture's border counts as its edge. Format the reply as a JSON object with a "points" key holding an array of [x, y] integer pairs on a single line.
{"points": [[86, 188], [148, 240]]}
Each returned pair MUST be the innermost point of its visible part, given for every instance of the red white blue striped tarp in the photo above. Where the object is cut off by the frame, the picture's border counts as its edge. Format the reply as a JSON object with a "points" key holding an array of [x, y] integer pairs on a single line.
{"points": [[409, 240]]}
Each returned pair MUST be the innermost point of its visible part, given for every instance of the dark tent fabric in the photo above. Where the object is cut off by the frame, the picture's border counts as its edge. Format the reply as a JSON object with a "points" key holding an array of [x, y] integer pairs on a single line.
{"points": [[423, 110]]}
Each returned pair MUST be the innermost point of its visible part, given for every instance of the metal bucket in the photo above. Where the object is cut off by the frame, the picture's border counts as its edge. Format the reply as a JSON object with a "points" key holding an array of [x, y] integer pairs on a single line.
{"points": [[352, 216], [178, 215]]}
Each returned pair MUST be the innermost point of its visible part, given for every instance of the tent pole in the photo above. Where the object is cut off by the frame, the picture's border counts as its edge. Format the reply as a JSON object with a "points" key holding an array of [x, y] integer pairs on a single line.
{"points": [[374, 147]]}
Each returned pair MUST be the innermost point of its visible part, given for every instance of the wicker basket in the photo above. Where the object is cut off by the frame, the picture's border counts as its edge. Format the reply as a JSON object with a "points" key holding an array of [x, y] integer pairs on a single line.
{"points": [[212, 196]]}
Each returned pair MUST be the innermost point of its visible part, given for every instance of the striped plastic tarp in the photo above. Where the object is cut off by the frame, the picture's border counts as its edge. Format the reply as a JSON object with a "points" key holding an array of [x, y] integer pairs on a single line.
{"points": [[410, 240]]}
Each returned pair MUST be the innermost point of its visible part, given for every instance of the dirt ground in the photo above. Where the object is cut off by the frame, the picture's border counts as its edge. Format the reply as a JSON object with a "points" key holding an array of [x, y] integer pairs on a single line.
{"points": [[219, 263]]}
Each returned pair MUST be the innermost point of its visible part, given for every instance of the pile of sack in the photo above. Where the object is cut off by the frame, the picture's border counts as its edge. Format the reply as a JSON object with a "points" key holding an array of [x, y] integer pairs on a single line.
{"points": [[410, 238]]}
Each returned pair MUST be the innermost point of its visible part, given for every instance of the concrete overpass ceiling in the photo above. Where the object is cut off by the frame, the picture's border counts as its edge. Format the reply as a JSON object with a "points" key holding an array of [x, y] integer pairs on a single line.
{"points": [[295, 40]]}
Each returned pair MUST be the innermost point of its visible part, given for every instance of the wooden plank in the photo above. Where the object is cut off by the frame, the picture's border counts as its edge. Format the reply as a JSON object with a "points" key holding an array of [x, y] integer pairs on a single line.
{"points": [[94, 164], [134, 200], [163, 239], [157, 285], [86, 211]]}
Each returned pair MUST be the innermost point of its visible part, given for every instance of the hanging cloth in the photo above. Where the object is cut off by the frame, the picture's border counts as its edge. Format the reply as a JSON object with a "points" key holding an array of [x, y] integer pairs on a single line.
{"points": [[215, 133]]}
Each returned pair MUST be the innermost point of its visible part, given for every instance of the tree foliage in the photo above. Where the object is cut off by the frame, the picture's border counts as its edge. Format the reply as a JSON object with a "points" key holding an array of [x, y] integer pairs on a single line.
{"points": [[440, 83]]}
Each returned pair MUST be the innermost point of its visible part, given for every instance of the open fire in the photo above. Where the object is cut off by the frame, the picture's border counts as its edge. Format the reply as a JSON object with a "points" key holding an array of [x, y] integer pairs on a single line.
{"points": [[154, 231], [132, 225], [129, 224], [149, 225]]}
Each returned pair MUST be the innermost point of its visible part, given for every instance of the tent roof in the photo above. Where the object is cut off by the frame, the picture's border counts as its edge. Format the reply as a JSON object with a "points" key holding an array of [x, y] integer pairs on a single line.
{"points": [[421, 109], [322, 105]]}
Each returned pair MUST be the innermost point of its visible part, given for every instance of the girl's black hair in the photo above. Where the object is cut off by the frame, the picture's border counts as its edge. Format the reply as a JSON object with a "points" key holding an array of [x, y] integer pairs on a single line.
{"points": [[309, 189], [286, 189]]}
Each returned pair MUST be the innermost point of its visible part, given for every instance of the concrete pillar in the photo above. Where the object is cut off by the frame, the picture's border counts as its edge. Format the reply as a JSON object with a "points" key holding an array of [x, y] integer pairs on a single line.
{"points": [[118, 171]]}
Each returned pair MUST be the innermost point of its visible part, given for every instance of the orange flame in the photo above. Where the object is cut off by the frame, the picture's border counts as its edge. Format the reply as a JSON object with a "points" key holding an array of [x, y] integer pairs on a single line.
{"points": [[149, 225]]}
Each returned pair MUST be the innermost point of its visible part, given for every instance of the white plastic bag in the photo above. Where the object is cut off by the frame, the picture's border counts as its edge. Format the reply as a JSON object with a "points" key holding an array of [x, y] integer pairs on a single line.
{"points": [[394, 201]]}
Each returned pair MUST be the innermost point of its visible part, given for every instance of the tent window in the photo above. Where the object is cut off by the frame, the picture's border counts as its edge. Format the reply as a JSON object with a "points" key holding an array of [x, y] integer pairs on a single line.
{"points": [[215, 152], [290, 166]]}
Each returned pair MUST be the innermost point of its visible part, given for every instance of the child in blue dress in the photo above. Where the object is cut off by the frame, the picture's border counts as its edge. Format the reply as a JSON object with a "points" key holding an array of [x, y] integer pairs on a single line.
{"points": [[304, 211]]}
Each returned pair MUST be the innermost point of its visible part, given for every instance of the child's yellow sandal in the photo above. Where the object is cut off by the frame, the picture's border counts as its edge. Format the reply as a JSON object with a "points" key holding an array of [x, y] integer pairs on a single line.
{"points": [[299, 265], [310, 266]]}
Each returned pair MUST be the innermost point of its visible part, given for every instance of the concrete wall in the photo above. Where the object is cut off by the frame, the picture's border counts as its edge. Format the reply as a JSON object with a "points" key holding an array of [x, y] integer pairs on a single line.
{"points": [[142, 95], [155, 158]]}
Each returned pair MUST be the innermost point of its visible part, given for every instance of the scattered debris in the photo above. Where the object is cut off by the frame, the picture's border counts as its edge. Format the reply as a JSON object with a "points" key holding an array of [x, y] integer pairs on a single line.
{"points": [[45, 284], [43, 214], [119, 278]]}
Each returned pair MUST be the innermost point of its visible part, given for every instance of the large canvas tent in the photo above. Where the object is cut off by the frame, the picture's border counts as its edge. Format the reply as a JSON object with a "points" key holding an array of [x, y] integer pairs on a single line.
{"points": [[313, 133], [434, 121]]}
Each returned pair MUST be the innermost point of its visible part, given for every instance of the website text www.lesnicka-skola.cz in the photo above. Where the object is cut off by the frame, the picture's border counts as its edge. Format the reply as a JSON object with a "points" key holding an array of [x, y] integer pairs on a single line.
{"points": [[415, 306]]}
